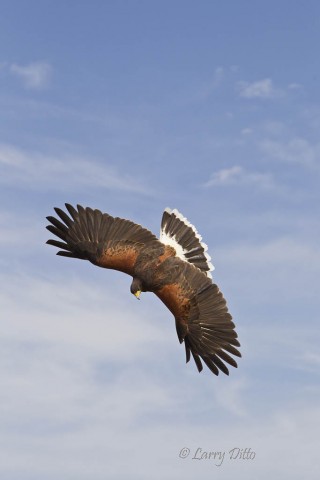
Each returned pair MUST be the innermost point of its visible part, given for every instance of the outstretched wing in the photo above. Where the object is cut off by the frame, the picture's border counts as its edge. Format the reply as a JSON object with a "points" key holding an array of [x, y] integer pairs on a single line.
{"points": [[202, 320], [106, 241]]}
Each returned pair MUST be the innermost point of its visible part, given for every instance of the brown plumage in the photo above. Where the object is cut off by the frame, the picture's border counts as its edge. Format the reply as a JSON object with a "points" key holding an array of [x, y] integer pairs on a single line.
{"points": [[176, 268]]}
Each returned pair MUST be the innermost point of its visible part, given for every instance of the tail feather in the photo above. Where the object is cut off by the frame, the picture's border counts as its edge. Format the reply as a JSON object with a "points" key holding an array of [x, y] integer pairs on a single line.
{"points": [[179, 233]]}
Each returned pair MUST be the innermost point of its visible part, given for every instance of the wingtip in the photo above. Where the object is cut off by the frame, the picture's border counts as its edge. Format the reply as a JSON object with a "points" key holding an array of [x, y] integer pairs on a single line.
{"points": [[58, 210], [69, 207]]}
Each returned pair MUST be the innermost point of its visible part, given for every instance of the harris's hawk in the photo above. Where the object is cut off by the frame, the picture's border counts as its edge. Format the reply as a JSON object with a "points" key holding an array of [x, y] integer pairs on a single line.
{"points": [[176, 268]]}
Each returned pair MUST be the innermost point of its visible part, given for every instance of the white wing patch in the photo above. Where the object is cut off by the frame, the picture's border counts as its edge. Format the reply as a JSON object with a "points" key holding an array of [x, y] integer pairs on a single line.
{"points": [[180, 234]]}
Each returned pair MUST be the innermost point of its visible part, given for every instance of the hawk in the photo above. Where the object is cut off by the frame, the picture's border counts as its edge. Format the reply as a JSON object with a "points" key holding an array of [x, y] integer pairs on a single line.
{"points": [[175, 267]]}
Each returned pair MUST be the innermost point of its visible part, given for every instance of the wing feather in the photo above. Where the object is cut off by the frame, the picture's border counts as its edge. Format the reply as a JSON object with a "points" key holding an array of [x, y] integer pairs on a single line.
{"points": [[202, 320], [106, 241]]}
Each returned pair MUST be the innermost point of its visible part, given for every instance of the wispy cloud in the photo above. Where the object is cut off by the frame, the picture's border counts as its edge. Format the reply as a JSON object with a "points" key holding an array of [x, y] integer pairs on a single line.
{"points": [[13, 228], [297, 150], [237, 175], [246, 131], [74, 312], [230, 396], [260, 89], [281, 260], [213, 84], [295, 86], [34, 75], [309, 360], [274, 128], [217, 77], [21, 167]]}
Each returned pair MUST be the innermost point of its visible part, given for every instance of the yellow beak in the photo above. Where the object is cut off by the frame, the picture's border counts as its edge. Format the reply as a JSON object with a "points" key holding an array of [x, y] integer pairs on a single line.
{"points": [[137, 294]]}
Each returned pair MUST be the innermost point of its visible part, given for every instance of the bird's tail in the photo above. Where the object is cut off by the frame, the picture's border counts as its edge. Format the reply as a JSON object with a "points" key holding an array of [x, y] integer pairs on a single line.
{"points": [[179, 233]]}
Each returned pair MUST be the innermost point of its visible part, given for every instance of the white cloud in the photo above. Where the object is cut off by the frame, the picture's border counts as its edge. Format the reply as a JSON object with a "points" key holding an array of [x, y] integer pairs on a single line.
{"points": [[34, 75], [237, 175], [90, 376], [246, 131], [284, 252], [297, 150], [218, 77], [274, 128], [260, 89], [57, 422], [206, 90], [19, 167], [229, 396], [286, 270], [295, 86], [309, 360], [102, 320], [225, 176], [15, 227]]}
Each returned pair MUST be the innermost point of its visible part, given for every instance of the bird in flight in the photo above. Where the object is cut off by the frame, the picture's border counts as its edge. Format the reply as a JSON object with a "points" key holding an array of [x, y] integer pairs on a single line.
{"points": [[175, 267]]}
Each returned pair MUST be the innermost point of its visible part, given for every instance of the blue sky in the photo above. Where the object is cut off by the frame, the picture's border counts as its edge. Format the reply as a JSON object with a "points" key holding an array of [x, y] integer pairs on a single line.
{"points": [[132, 106]]}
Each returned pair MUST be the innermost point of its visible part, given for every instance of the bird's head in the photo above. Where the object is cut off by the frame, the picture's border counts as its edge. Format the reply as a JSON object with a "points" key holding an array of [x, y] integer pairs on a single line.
{"points": [[136, 288]]}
